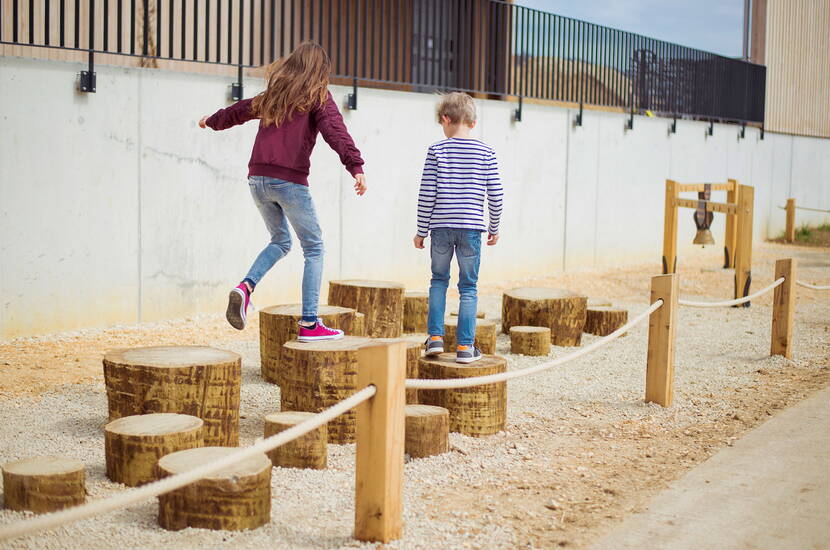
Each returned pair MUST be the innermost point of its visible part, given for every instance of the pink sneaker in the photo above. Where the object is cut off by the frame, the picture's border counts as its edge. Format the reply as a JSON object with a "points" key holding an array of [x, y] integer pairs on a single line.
{"points": [[238, 302], [319, 332]]}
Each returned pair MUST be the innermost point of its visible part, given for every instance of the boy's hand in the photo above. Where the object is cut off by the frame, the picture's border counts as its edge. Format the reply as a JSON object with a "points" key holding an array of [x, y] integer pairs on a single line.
{"points": [[419, 241], [492, 239], [202, 122], [360, 184]]}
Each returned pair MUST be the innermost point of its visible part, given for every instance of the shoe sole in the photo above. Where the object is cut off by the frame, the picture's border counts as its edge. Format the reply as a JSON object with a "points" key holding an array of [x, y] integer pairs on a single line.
{"points": [[318, 338], [236, 312], [467, 360], [434, 351]]}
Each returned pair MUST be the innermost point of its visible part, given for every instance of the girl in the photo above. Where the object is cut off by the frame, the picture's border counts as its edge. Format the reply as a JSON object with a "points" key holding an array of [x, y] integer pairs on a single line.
{"points": [[294, 107]]}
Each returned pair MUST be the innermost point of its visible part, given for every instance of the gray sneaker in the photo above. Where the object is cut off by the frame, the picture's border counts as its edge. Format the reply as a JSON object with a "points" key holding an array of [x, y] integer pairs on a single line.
{"points": [[468, 355], [434, 347]]}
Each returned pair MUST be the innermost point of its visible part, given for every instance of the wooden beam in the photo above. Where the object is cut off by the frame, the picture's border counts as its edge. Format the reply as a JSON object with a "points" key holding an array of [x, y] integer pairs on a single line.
{"points": [[698, 187], [743, 248], [783, 309], [790, 231], [722, 207], [661, 337], [670, 228], [731, 227]]}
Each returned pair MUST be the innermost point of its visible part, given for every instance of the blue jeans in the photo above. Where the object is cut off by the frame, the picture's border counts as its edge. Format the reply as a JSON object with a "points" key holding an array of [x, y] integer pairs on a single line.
{"points": [[466, 244], [281, 202]]}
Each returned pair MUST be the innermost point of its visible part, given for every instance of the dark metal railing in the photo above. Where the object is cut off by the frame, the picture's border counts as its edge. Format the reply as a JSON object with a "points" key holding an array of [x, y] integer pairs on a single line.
{"points": [[482, 46]]}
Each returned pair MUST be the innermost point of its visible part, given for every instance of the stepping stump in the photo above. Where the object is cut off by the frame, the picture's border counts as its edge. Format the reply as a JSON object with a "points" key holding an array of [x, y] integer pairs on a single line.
{"points": [[427, 430], [278, 325], [603, 320], [317, 375], [233, 499], [415, 311], [380, 301], [475, 411], [307, 451], [43, 484], [530, 340], [599, 302], [562, 311], [414, 351], [479, 314], [359, 325], [485, 335], [195, 380], [134, 444]]}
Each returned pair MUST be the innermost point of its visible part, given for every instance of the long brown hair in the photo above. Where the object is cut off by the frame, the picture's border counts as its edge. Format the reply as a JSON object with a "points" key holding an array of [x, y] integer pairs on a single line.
{"points": [[296, 84]]}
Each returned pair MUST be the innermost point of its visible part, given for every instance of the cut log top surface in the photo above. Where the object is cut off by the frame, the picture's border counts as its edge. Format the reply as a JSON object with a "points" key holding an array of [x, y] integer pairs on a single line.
{"points": [[183, 461], [43, 466], [415, 294], [154, 424], [368, 284], [171, 356], [416, 338], [453, 322], [448, 360], [347, 343], [424, 410], [605, 308], [529, 329], [288, 417], [541, 293], [598, 302], [296, 310]]}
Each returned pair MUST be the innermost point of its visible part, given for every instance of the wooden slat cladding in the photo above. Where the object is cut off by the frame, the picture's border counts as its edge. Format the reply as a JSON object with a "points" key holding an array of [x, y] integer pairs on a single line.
{"points": [[792, 38]]}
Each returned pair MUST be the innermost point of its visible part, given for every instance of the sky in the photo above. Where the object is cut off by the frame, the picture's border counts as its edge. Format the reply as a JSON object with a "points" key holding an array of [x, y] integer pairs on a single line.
{"points": [[710, 25]]}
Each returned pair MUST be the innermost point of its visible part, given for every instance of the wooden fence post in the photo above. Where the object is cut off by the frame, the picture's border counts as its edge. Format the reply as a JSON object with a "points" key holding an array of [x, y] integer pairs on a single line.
{"points": [[743, 249], [661, 335], [783, 308], [731, 227], [670, 228], [790, 235], [380, 443]]}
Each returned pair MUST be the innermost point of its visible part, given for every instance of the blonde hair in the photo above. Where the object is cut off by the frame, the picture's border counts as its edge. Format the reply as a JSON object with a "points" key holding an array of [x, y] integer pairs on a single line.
{"points": [[296, 84], [458, 107]]}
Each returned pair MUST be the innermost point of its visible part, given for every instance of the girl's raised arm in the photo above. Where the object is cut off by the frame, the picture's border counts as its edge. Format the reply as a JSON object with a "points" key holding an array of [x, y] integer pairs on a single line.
{"points": [[238, 113]]}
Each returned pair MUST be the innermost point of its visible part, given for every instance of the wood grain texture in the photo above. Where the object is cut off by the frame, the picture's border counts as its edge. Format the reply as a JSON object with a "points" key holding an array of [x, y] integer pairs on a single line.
{"points": [[562, 311], [307, 451], [427, 430], [661, 339], [530, 340], [603, 320], [485, 337], [43, 484], [415, 310], [380, 301], [783, 308]]}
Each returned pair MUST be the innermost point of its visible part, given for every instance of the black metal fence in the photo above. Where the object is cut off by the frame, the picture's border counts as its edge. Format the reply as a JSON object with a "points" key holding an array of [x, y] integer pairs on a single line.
{"points": [[482, 46]]}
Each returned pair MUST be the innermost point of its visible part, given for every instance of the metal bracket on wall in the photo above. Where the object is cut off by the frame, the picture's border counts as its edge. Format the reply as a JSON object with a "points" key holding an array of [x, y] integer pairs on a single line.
{"points": [[578, 120], [86, 83], [517, 114], [237, 89], [673, 126], [352, 97], [742, 134], [711, 130], [762, 131], [629, 124]]}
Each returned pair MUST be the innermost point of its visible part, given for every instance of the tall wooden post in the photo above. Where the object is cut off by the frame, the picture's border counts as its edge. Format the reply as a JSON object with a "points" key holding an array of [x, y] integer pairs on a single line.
{"points": [[743, 250], [790, 220], [783, 309], [661, 335], [731, 226], [670, 228], [380, 443]]}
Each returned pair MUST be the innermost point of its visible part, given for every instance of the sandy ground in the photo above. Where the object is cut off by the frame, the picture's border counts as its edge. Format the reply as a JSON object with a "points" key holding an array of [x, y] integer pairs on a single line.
{"points": [[581, 451]]}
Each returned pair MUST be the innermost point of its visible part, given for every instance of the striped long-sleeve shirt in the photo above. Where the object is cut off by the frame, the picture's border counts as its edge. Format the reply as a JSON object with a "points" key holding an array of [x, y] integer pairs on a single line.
{"points": [[459, 174]]}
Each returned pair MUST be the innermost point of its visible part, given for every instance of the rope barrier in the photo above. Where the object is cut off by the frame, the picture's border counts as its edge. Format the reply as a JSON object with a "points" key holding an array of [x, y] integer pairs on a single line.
{"points": [[735, 302], [135, 496], [814, 287], [805, 208], [451, 383]]}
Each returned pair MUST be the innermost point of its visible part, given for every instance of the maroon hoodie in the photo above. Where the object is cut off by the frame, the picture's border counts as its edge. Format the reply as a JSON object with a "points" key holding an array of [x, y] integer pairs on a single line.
{"points": [[284, 151]]}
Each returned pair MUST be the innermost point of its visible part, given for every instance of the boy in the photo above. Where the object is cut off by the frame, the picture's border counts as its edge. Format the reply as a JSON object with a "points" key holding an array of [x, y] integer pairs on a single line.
{"points": [[459, 173]]}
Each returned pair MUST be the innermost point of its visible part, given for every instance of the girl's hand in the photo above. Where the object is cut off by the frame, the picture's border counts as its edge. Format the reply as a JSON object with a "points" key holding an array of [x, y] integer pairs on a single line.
{"points": [[492, 239], [203, 121], [360, 184], [419, 241]]}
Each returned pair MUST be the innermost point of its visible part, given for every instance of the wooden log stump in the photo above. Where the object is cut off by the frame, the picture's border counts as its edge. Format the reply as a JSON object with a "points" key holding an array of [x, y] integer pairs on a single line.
{"points": [[307, 451], [562, 311], [599, 302], [278, 325], [317, 375], [134, 444], [359, 326], [475, 411], [43, 484], [233, 499], [380, 301], [427, 430], [415, 311], [479, 314], [195, 380], [530, 340], [603, 320], [414, 351], [485, 335]]}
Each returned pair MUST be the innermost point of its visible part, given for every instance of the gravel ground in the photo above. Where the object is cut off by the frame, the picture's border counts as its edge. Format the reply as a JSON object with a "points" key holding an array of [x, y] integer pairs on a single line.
{"points": [[580, 452]]}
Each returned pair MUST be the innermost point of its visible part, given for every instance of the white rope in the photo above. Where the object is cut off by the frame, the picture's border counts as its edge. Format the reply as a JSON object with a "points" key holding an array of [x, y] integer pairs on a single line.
{"points": [[735, 302], [451, 383], [805, 208], [135, 496], [814, 287]]}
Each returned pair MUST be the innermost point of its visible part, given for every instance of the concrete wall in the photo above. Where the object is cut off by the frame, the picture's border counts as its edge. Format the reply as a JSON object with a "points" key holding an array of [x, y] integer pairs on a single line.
{"points": [[115, 207]]}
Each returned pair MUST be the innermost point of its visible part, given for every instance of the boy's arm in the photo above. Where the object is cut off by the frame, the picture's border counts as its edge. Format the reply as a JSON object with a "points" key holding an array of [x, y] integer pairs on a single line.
{"points": [[426, 193], [238, 113], [495, 193], [331, 125]]}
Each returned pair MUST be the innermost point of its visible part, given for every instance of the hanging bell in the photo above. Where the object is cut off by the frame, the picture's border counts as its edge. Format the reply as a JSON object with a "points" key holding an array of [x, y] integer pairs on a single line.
{"points": [[704, 237], [703, 218]]}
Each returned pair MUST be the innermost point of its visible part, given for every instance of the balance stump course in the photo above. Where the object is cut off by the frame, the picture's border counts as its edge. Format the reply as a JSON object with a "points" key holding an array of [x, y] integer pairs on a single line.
{"points": [[194, 380], [427, 430], [562, 311], [485, 338], [233, 499], [278, 325], [476, 411], [134, 444], [307, 451], [43, 484], [380, 301]]}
